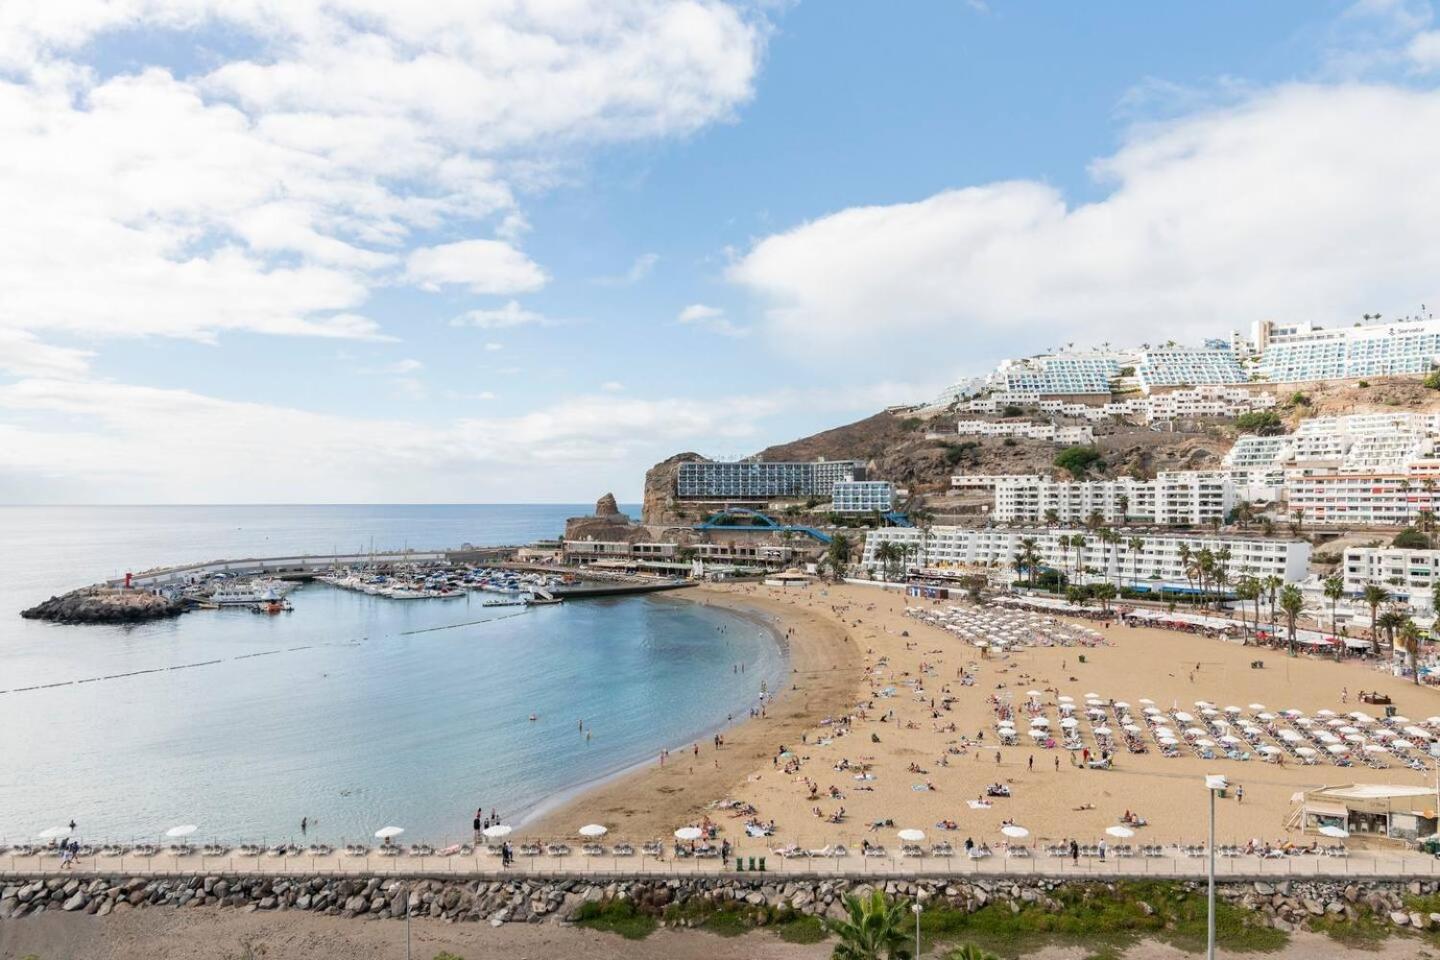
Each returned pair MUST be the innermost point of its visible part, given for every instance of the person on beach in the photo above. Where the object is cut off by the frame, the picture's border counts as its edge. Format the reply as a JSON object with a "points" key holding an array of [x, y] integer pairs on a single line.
{"points": [[304, 825], [1074, 852]]}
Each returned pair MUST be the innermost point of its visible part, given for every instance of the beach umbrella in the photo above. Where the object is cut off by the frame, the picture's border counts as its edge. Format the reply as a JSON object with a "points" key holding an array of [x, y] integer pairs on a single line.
{"points": [[54, 833], [1304, 722], [1121, 705], [1257, 706], [1039, 722], [1039, 733], [1227, 739], [1151, 712], [1121, 832], [1354, 738], [1147, 701], [1067, 708], [1183, 717], [593, 830], [1103, 731], [1034, 693], [1290, 736], [1066, 699], [1094, 712], [1269, 750], [1328, 738], [497, 831], [1374, 748], [1347, 729], [1292, 712], [1194, 732], [1092, 696], [181, 831], [1433, 721], [1325, 713], [1094, 702], [1204, 743], [1131, 728], [1232, 709], [1337, 722], [1338, 749], [1401, 744], [1069, 723], [1264, 717], [1399, 721], [1011, 830], [1339, 833], [911, 835], [688, 833], [385, 833], [1305, 751], [1203, 703]]}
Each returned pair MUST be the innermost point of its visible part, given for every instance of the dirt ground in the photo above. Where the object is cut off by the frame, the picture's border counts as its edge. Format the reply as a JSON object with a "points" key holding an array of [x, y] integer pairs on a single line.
{"points": [[164, 934]]}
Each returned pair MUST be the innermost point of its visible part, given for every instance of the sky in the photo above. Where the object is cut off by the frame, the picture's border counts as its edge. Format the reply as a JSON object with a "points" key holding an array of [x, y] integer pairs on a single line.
{"points": [[519, 250]]}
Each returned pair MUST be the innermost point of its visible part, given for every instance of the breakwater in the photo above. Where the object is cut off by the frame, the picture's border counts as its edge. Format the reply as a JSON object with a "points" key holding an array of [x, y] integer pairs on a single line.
{"points": [[1286, 905]]}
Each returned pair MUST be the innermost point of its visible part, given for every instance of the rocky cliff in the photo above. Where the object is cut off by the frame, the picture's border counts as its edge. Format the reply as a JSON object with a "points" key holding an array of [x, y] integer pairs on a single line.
{"points": [[94, 605]]}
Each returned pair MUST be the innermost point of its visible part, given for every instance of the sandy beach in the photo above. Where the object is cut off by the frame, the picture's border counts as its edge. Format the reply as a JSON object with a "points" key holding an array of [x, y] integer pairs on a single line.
{"points": [[849, 642], [656, 799]]}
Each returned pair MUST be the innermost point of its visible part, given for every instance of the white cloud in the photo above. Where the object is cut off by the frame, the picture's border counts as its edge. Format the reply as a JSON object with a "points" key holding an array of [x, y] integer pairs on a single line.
{"points": [[641, 268], [1281, 206], [709, 318], [132, 444], [23, 355], [485, 266], [275, 191], [1424, 51], [612, 386], [501, 318]]}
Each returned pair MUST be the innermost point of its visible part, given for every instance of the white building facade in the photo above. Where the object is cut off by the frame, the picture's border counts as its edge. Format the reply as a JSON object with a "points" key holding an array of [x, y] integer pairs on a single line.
{"points": [[1181, 498], [1026, 430], [1303, 352], [1159, 561], [862, 496]]}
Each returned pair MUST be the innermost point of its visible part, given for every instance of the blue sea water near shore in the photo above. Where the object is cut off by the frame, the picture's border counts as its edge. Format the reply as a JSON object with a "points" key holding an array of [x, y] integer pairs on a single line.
{"points": [[354, 711]]}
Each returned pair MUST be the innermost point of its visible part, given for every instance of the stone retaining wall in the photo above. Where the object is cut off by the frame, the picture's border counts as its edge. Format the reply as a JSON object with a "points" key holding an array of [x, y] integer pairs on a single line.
{"points": [[1286, 904]]}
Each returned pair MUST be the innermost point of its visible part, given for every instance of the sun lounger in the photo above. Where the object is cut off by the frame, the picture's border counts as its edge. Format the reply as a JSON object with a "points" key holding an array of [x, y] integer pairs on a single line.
{"points": [[593, 850], [875, 851], [653, 849], [623, 850], [558, 850], [356, 850], [530, 849]]}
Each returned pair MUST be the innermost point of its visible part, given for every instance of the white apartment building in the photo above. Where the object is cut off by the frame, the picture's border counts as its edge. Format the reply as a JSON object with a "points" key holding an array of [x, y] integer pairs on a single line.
{"points": [[1181, 403], [862, 496], [1409, 575], [1304, 352], [1372, 500], [1027, 430], [984, 481], [1058, 374], [1186, 367], [1157, 563], [1181, 498]]}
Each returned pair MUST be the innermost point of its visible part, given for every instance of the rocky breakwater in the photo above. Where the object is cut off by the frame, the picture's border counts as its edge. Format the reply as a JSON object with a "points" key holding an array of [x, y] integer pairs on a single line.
{"points": [[104, 605], [1284, 905]]}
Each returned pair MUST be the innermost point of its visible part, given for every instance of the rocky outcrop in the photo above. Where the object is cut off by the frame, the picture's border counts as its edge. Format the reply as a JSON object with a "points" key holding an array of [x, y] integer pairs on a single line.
{"points": [[607, 507], [1284, 904], [99, 605], [659, 505]]}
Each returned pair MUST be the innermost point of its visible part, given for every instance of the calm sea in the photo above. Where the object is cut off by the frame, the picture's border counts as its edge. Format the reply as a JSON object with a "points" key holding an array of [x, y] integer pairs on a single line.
{"points": [[354, 711]]}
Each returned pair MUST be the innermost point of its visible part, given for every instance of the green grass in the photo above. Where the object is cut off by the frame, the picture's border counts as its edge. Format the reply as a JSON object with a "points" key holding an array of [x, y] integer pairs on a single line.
{"points": [[730, 919], [1366, 933], [802, 929], [616, 916], [1104, 921]]}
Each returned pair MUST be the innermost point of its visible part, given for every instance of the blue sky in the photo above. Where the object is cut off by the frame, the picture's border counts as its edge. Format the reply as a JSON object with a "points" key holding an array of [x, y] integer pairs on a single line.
{"points": [[341, 250]]}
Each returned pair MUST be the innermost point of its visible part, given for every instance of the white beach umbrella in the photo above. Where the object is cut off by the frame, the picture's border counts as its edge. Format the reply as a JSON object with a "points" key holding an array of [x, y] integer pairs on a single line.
{"points": [[1232, 709], [1091, 696], [54, 833], [1325, 713], [1131, 728], [1290, 736], [385, 833], [1339, 833], [1039, 722], [1257, 706], [1011, 830], [688, 833], [1229, 740], [1399, 721], [1151, 712], [1338, 749], [1103, 731], [1305, 751], [1182, 717], [1269, 750], [1146, 701], [1204, 743], [1121, 705], [1066, 699], [1337, 722], [910, 835], [593, 830], [1069, 723], [1194, 732], [1202, 703], [1401, 744], [1034, 694], [184, 830], [1374, 748], [1328, 738], [1121, 832], [498, 830], [1039, 733], [1347, 730], [1264, 717], [1292, 712]]}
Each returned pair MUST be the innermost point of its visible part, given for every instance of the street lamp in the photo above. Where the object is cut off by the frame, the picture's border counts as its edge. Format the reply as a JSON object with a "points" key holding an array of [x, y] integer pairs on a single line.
{"points": [[915, 908], [1214, 783]]}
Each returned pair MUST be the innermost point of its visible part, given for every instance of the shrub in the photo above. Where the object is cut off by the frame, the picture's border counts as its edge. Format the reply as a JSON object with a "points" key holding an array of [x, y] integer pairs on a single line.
{"points": [[616, 916], [1259, 421], [1078, 460], [1411, 539], [1363, 384], [1008, 442], [1432, 380]]}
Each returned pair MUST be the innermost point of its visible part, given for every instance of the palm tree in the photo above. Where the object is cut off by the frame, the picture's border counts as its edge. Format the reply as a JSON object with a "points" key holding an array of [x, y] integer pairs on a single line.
{"points": [[1334, 590], [1105, 592], [1136, 546], [1029, 556], [1298, 516], [1078, 542], [1272, 585], [837, 555], [1185, 564], [1052, 517], [1410, 639], [874, 928], [1390, 622], [1292, 602], [1374, 595], [1096, 520], [1122, 507], [1249, 589], [1063, 541], [971, 952]]}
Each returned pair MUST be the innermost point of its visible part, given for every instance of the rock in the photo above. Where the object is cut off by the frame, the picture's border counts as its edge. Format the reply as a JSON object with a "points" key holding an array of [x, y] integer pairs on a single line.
{"points": [[1400, 918], [1313, 908], [1146, 909], [105, 908], [75, 901], [1419, 920], [267, 903], [104, 605], [1264, 889]]}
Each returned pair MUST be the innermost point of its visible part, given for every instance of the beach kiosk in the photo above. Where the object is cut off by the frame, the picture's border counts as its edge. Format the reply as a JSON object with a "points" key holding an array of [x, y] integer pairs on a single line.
{"points": [[1381, 810]]}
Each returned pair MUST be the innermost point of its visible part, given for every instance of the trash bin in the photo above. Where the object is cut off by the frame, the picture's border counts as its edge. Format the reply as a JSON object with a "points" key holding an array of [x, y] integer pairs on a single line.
{"points": [[1391, 711], [752, 864], [1082, 658], [739, 864], [762, 864]]}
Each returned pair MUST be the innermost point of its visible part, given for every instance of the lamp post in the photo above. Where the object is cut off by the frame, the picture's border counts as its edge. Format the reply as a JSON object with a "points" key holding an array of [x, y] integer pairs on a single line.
{"points": [[916, 909], [1214, 783]]}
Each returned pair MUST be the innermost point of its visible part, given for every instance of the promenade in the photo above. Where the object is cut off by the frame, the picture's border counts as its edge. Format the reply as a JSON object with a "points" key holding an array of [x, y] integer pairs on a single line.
{"points": [[1367, 864]]}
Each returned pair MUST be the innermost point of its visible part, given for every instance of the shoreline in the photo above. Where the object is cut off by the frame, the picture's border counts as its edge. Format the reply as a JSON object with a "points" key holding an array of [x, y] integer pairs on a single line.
{"points": [[648, 799]]}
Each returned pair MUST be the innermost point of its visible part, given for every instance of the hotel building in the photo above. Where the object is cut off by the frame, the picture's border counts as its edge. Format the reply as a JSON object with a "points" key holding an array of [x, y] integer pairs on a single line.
{"points": [[763, 479], [1302, 352], [1026, 430], [1156, 563], [862, 496], [1409, 575], [1189, 498]]}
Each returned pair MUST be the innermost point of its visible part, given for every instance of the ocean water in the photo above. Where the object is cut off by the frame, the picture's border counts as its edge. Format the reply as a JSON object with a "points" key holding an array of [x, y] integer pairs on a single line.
{"points": [[354, 711]]}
